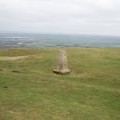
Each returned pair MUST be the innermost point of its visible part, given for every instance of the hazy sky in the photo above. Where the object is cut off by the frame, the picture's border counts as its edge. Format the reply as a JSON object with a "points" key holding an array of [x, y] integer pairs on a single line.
{"points": [[61, 16]]}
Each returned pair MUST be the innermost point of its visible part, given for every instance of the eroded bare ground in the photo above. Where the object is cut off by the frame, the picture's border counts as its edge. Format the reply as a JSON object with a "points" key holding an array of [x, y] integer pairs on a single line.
{"points": [[13, 58]]}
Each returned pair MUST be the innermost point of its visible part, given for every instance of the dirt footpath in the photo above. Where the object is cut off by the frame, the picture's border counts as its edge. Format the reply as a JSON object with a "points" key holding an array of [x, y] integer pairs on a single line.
{"points": [[13, 58]]}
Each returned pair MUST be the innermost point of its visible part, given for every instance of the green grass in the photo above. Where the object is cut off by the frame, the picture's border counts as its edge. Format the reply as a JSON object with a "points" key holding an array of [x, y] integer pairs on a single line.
{"points": [[90, 92]]}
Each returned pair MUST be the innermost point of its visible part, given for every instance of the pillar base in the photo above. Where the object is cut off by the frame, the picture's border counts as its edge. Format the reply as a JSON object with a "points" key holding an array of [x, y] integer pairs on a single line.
{"points": [[61, 71]]}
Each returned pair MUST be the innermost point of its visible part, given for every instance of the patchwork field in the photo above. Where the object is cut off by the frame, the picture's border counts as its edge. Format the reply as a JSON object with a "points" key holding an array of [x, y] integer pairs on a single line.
{"points": [[29, 90]]}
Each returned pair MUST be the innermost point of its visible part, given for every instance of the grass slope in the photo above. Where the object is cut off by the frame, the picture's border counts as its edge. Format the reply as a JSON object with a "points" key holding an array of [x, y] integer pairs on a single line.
{"points": [[30, 91]]}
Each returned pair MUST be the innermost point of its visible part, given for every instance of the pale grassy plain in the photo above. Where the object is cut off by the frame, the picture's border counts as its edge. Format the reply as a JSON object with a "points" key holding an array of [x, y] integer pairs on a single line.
{"points": [[29, 90]]}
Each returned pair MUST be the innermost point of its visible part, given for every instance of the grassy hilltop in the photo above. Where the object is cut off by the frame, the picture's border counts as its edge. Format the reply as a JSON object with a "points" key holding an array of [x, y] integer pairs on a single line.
{"points": [[30, 91]]}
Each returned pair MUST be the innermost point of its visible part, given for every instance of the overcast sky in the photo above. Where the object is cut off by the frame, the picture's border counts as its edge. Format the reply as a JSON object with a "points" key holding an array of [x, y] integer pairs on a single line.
{"points": [[61, 16]]}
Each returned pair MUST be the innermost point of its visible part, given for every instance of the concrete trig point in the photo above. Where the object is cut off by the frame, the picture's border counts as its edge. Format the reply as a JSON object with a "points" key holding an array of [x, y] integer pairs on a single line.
{"points": [[61, 66]]}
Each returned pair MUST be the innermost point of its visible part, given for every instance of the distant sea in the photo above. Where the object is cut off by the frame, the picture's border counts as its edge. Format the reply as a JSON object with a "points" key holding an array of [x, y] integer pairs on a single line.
{"points": [[18, 40]]}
